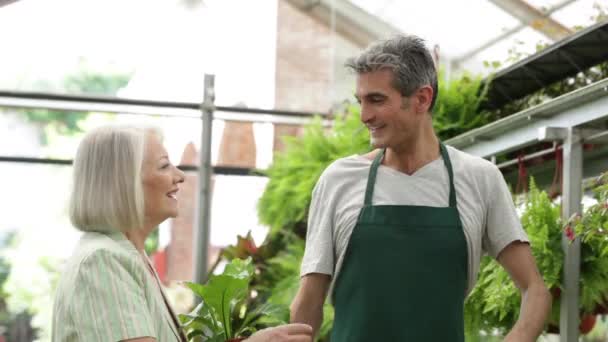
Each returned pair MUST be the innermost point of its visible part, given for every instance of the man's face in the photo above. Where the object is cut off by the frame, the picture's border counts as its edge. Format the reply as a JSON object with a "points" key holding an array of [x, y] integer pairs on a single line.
{"points": [[391, 119]]}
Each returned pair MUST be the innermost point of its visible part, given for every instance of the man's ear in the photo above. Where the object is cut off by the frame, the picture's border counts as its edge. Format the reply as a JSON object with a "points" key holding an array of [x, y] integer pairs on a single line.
{"points": [[424, 97]]}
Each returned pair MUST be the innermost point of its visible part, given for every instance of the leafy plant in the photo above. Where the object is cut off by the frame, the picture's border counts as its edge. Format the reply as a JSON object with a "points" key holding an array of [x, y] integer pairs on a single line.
{"points": [[223, 312], [592, 228], [294, 173], [457, 108], [495, 302]]}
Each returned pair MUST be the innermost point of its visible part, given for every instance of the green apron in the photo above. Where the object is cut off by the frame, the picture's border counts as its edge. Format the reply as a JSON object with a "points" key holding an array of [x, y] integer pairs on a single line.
{"points": [[404, 274]]}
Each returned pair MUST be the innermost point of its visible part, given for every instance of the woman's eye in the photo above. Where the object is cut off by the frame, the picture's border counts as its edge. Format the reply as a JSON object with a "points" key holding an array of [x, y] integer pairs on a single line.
{"points": [[164, 166]]}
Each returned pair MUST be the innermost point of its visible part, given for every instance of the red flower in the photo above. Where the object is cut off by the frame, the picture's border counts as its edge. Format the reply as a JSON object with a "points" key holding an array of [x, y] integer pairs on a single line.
{"points": [[570, 233], [250, 246]]}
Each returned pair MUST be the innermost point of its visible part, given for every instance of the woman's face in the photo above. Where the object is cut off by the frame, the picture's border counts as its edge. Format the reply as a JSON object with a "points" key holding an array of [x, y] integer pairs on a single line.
{"points": [[160, 182]]}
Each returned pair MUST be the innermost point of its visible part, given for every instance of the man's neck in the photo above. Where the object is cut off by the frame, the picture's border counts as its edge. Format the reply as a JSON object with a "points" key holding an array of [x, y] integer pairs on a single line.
{"points": [[412, 156]]}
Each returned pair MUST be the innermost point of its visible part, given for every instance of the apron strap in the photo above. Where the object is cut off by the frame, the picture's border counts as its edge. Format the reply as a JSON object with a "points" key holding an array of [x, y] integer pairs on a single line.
{"points": [[448, 165], [371, 179]]}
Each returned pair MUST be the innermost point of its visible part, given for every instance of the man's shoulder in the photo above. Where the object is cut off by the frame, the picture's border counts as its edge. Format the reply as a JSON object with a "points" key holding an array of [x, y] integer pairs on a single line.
{"points": [[343, 173], [351, 165], [469, 164]]}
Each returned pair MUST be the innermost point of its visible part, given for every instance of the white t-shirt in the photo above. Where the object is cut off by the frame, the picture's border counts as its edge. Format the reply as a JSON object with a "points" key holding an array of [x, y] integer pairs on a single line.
{"points": [[485, 206]]}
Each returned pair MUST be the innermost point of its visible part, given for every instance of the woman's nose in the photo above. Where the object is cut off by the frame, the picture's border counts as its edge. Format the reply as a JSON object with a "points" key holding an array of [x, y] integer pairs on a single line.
{"points": [[181, 176]]}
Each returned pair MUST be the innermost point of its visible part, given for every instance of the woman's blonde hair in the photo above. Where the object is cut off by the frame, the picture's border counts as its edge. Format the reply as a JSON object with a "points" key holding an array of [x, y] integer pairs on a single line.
{"points": [[107, 193]]}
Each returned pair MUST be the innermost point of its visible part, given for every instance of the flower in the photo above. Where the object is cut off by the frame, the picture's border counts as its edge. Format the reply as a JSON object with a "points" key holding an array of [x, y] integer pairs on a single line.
{"points": [[570, 233]]}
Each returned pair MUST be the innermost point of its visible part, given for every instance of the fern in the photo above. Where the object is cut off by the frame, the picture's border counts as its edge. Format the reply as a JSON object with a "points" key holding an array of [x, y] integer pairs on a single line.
{"points": [[295, 172]]}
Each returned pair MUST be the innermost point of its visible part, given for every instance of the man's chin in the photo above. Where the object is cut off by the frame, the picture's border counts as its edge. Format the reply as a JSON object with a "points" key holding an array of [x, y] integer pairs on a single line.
{"points": [[376, 143]]}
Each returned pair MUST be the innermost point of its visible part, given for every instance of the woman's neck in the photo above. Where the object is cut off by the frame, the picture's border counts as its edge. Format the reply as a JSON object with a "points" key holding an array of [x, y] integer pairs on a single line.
{"points": [[138, 236]]}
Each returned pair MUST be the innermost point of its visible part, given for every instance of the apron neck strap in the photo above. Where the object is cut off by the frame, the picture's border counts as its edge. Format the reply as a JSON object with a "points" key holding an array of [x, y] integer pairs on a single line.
{"points": [[371, 180], [448, 165]]}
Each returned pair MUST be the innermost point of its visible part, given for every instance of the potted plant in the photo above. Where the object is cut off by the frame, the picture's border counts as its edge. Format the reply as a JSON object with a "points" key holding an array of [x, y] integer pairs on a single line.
{"points": [[224, 313]]}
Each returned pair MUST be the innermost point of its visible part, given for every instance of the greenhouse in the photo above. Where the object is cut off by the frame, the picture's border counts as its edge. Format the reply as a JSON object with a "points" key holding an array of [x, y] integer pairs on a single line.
{"points": [[259, 113]]}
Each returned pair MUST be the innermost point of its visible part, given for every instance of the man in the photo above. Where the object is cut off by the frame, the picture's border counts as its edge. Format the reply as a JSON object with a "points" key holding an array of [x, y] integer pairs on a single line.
{"points": [[396, 235]]}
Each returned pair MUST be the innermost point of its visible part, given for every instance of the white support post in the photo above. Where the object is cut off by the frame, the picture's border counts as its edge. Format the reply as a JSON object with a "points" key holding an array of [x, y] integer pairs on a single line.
{"points": [[571, 204], [201, 241]]}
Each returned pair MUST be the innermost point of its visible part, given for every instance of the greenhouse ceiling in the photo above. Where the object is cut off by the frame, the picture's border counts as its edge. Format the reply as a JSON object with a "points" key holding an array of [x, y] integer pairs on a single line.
{"points": [[468, 32]]}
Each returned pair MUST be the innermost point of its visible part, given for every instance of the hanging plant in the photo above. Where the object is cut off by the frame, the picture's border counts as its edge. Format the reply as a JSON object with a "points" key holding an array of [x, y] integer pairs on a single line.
{"points": [[592, 229], [494, 303]]}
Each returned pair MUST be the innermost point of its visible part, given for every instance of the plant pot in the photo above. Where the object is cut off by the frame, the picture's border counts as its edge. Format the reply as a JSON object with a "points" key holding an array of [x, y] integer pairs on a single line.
{"points": [[236, 339], [587, 324]]}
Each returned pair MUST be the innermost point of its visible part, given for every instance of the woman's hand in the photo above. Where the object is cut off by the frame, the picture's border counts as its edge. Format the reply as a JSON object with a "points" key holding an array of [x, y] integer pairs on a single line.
{"points": [[296, 332]]}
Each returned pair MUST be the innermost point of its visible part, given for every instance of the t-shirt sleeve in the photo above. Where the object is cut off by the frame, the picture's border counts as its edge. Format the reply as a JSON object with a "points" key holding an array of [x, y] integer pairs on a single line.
{"points": [[503, 226], [319, 251], [109, 302]]}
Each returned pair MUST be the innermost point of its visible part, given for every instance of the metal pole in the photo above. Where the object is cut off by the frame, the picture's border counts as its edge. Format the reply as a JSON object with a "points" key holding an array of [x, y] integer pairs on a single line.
{"points": [[571, 204], [201, 242]]}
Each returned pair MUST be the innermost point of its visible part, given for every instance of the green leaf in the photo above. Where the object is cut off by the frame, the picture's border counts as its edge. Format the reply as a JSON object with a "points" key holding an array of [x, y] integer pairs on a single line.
{"points": [[219, 297]]}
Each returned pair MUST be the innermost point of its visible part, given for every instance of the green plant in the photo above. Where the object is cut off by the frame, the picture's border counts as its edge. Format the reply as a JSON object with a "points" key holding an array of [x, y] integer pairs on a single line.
{"points": [[494, 303], [294, 173], [223, 312], [592, 228], [457, 107]]}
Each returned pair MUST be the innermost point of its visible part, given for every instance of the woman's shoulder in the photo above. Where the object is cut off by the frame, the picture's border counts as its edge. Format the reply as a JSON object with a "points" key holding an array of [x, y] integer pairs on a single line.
{"points": [[106, 249]]}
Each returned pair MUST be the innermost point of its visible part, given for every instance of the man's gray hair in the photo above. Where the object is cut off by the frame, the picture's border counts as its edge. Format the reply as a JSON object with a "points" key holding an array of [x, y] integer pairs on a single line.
{"points": [[408, 58]]}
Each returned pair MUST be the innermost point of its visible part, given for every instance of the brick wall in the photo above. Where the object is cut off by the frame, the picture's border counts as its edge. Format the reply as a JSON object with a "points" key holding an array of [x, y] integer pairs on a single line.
{"points": [[309, 73]]}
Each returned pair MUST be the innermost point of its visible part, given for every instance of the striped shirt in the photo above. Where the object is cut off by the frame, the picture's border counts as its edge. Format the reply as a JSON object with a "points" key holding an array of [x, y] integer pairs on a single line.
{"points": [[109, 292]]}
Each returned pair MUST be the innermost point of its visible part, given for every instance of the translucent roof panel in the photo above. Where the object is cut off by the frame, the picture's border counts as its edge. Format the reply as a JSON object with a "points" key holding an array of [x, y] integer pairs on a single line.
{"points": [[581, 13], [471, 32], [456, 26], [512, 48], [164, 47]]}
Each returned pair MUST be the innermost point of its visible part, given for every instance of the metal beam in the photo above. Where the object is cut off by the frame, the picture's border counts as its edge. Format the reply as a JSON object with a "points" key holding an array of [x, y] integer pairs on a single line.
{"points": [[535, 18], [571, 205], [580, 107], [107, 104], [6, 2], [201, 242], [351, 22]]}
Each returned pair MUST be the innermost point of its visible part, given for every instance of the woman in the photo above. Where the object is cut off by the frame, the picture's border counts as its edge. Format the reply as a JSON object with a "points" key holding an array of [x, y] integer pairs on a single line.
{"points": [[124, 187]]}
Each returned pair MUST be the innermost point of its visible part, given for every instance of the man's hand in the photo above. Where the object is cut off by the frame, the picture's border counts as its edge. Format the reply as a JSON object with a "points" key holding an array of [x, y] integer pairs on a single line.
{"points": [[283, 333], [518, 261], [307, 307]]}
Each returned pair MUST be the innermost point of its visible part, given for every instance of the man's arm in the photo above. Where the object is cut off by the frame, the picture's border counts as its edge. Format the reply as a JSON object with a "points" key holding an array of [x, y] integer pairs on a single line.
{"points": [[307, 307], [518, 260]]}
